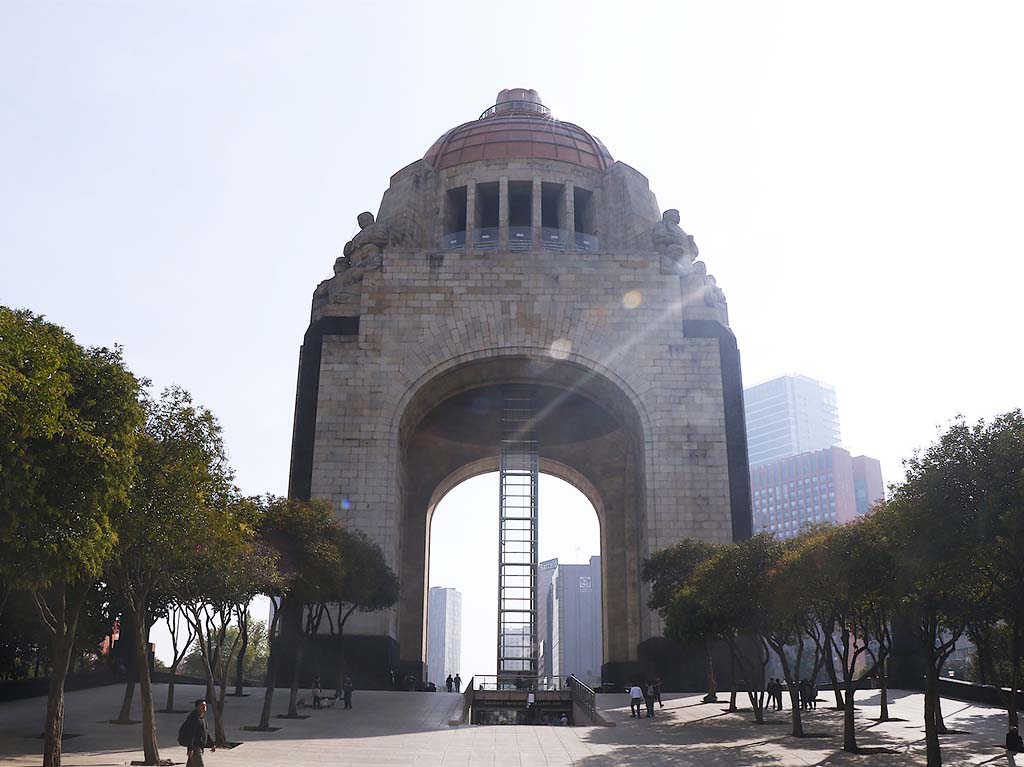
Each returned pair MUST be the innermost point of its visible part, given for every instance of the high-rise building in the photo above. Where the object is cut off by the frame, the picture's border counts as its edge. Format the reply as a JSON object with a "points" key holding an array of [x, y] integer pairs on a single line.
{"points": [[573, 621], [444, 634], [545, 577], [790, 415], [821, 486]]}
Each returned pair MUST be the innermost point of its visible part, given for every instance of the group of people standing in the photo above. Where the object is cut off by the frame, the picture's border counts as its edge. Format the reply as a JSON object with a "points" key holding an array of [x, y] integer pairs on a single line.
{"points": [[455, 683], [344, 692], [648, 694], [806, 693]]}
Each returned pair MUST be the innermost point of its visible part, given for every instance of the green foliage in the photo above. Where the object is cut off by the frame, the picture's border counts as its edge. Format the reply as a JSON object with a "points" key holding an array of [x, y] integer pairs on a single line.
{"points": [[669, 569], [68, 425], [254, 667], [182, 477], [306, 542], [367, 583]]}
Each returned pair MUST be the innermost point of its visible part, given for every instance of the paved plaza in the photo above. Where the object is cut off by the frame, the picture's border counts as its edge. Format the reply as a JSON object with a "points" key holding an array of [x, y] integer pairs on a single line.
{"points": [[394, 728]]}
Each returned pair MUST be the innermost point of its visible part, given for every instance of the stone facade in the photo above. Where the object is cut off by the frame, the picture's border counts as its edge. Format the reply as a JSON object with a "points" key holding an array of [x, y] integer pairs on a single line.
{"points": [[645, 424]]}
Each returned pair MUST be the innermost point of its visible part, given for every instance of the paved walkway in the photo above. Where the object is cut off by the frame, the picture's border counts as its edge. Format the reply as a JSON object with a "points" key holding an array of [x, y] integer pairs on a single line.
{"points": [[392, 728]]}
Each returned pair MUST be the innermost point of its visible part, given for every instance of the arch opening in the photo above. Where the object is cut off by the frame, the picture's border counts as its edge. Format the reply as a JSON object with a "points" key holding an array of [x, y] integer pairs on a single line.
{"points": [[590, 436], [463, 538]]}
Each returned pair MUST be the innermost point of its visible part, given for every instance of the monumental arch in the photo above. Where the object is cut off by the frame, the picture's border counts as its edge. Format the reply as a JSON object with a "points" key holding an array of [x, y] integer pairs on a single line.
{"points": [[518, 252]]}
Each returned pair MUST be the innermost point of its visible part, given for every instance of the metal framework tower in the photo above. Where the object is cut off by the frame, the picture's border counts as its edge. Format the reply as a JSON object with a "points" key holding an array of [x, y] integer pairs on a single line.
{"points": [[517, 537]]}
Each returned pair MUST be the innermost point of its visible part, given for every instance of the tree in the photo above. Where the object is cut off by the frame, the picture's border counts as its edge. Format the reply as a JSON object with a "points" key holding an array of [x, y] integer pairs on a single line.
{"points": [[931, 519], [367, 584], [788, 615], [732, 586], [669, 572], [183, 637], [303, 537], [182, 468], [69, 420], [230, 566], [861, 573], [999, 467]]}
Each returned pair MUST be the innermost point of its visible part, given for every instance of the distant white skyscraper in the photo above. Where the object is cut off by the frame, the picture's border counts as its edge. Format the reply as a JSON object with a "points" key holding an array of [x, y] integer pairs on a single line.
{"points": [[790, 415], [571, 620], [444, 634]]}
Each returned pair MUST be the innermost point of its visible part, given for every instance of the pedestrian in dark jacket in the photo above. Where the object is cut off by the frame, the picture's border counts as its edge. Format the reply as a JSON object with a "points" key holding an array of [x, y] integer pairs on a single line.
{"points": [[197, 735], [449, 682], [1014, 744], [649, 700], [657, 690]]}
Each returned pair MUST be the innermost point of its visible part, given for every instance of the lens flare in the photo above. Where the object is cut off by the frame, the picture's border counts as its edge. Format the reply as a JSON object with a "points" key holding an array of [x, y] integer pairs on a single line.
{"points": [[632, 299], [561, 348]]}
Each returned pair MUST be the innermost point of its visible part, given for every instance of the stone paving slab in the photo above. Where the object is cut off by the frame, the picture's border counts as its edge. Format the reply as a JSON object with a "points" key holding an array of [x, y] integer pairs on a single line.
{"points": [[411, 729]]}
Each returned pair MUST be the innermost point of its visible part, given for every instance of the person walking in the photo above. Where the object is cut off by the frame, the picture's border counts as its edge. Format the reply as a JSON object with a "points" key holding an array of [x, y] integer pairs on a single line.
{"points": [[635, 696], [649, 700], [812, 694], [657, 691], [195, 736], [448, 683], [770, 689], [458, 682], [346, 690]]}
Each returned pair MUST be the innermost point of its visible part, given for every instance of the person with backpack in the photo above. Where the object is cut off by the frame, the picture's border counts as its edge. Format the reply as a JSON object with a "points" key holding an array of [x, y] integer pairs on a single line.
{"points": [[194, 735]]}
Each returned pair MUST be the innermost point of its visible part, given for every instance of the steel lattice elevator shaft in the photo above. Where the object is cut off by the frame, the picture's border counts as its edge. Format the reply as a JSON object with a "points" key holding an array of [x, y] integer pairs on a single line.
{"points": [[517, 536]]}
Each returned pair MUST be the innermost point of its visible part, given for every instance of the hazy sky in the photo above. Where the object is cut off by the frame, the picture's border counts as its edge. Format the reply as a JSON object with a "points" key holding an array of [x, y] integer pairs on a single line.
{"points": [[178, 177]]}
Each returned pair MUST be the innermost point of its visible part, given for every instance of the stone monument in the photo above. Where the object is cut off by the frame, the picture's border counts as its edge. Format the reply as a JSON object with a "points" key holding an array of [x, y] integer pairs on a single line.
{"points": [[518, 252]]}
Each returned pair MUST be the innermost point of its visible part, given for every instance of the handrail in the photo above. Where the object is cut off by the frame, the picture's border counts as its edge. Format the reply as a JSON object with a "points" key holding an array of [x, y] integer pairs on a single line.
{"points": [[584, 697], [467, 704], [523, 683], [506, 107]]}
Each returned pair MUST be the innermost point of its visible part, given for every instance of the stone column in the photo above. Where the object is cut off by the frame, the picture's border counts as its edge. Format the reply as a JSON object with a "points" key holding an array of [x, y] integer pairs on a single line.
{"points": [[535, 213], [569, 212], [503, 213], [470, 214]]}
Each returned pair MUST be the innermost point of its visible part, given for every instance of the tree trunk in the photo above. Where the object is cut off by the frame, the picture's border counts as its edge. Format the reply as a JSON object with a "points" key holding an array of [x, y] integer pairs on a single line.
{"points": [[125, 715], [275, 635], [268, 686], [62, 619], [1015, 652], [732, 681], [220, 735], [150, 749], [60, 658], [981, 650], [940, 723], [883, 684], [830, 669], [712, 683], [293, 696], [171, 676], [795, 715], [244, 631], [931, 695], [849, 719]]}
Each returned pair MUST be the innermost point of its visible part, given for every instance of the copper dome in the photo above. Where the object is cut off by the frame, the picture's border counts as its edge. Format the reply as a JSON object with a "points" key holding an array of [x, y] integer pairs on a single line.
{"points": [[518, 126]]}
